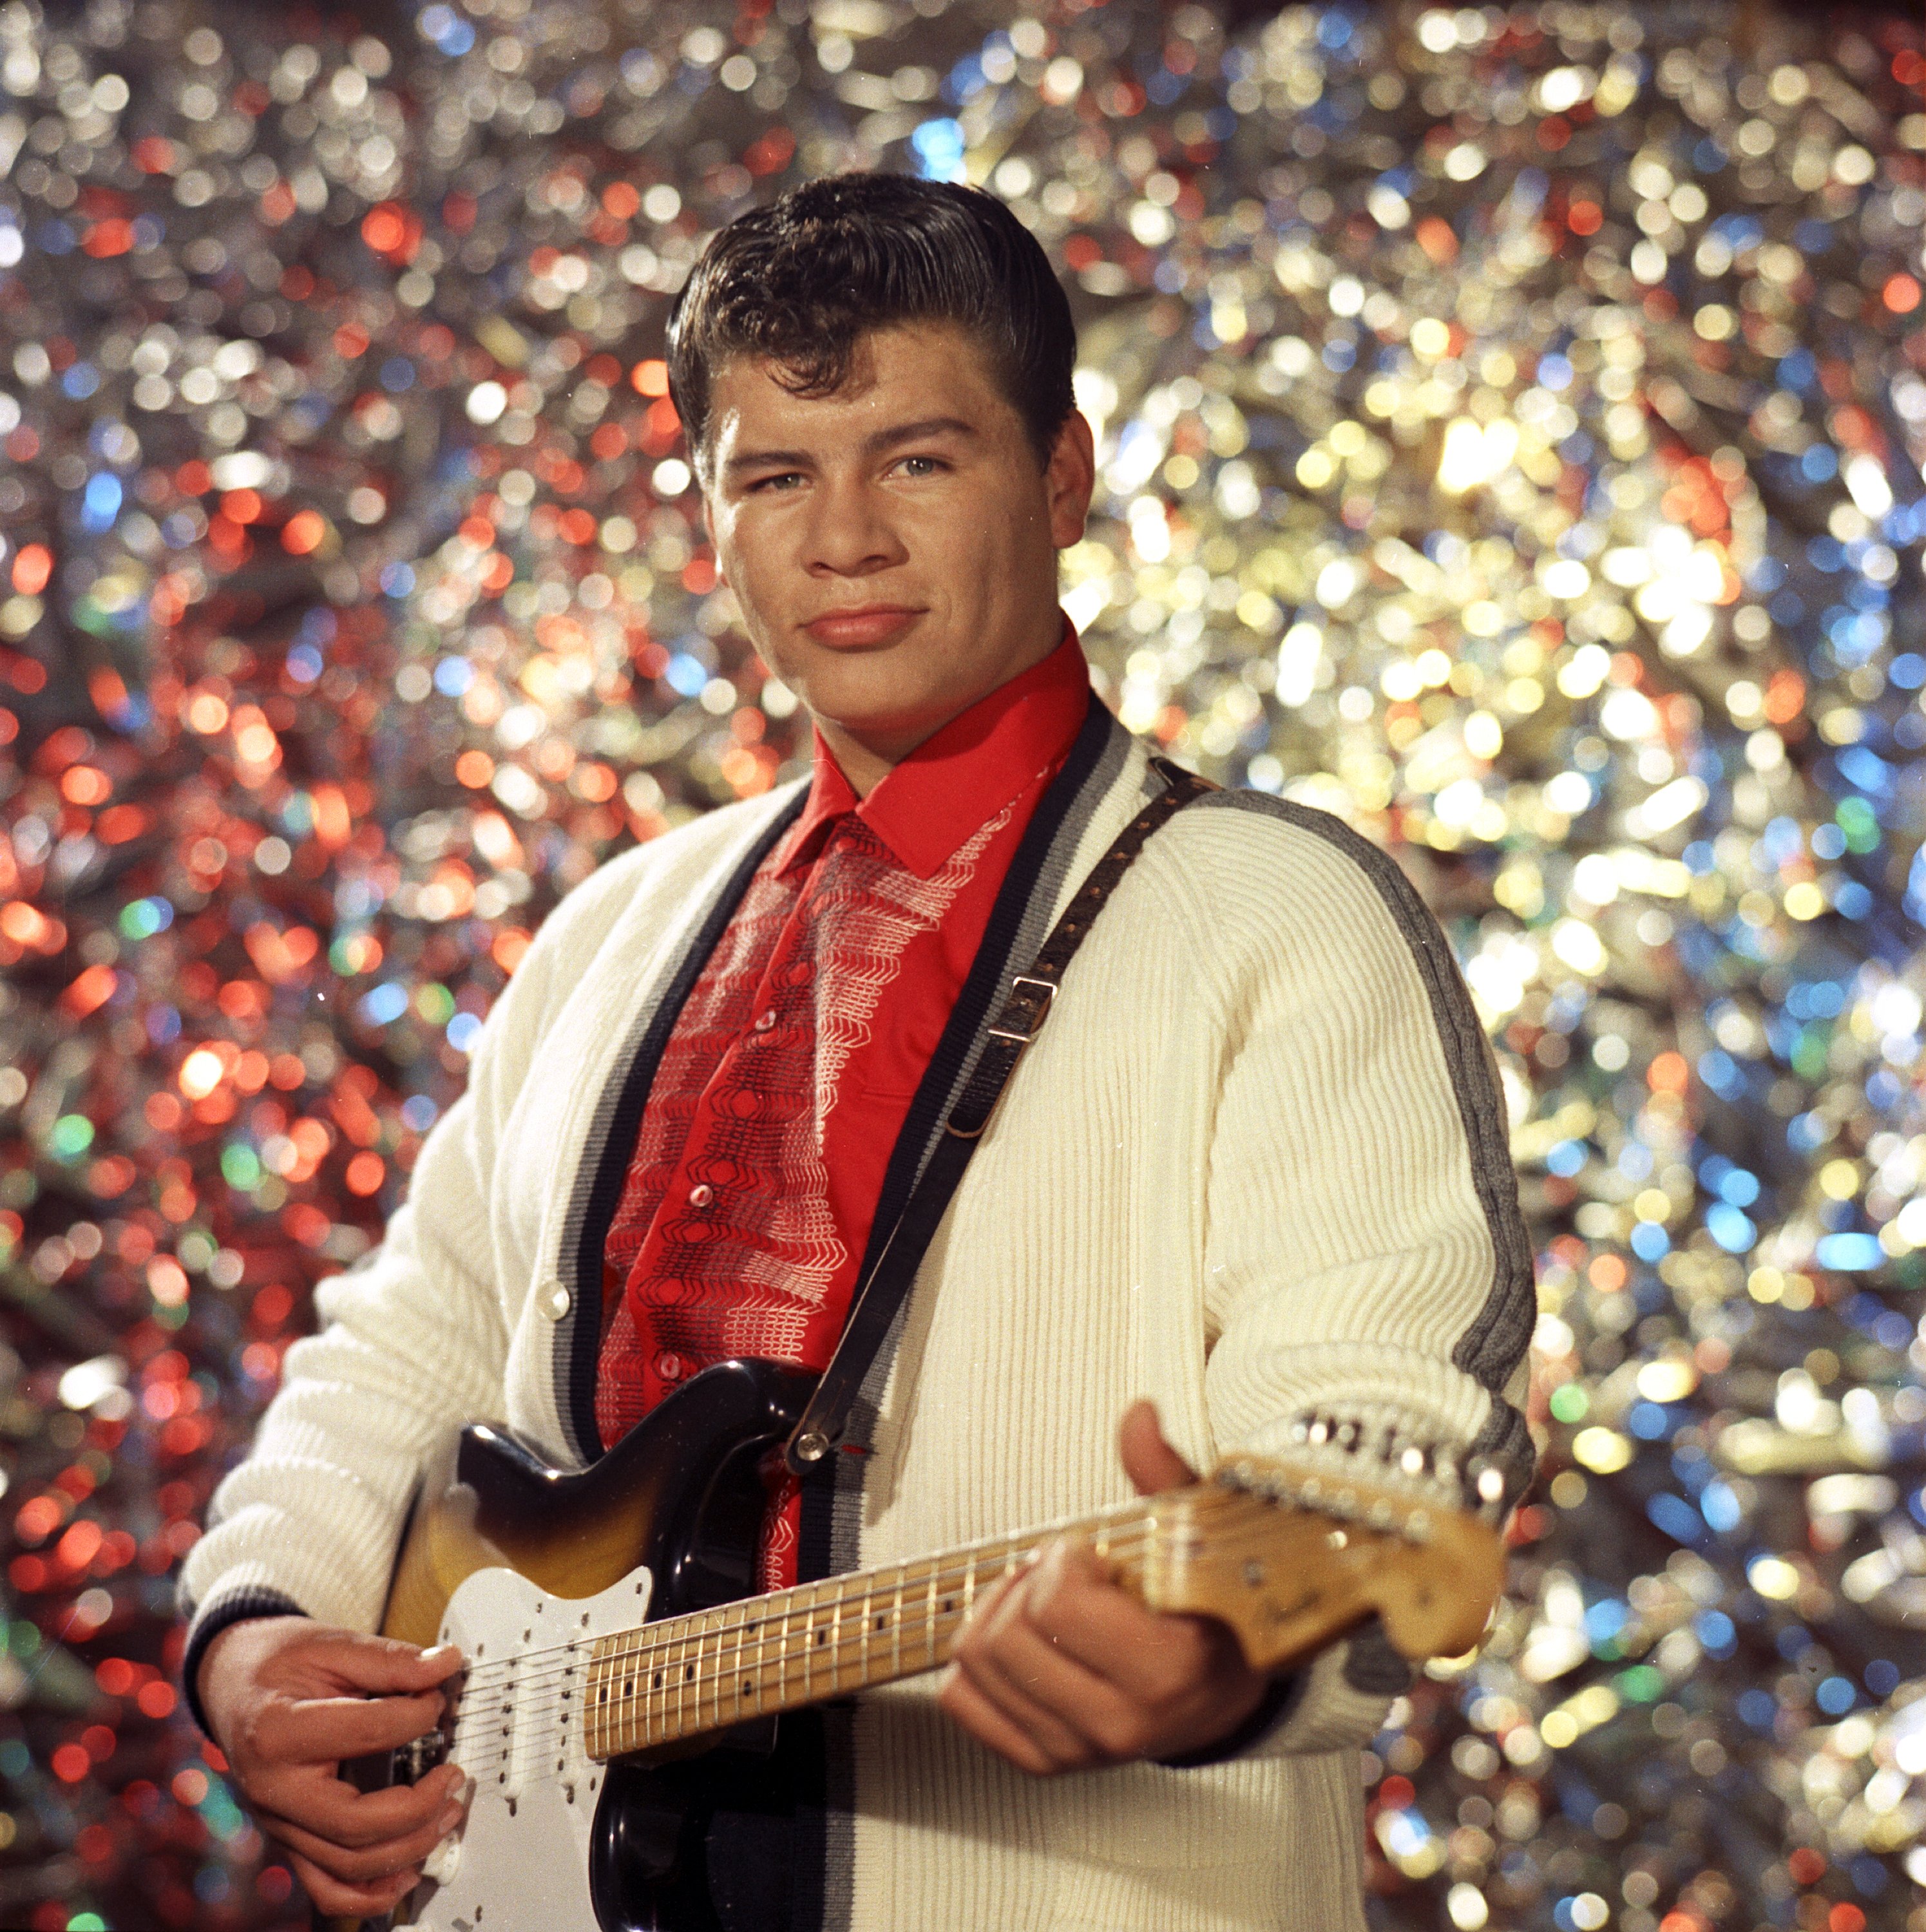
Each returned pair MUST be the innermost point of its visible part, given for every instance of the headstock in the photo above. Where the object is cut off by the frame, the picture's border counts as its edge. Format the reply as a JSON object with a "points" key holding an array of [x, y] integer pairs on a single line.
{"points": [[1290, 1553]]}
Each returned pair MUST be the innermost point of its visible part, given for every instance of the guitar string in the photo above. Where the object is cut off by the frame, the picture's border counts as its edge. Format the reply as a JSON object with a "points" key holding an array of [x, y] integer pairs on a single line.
{"points": [[691, 1709], [679, 1633], [680, 1630], [734, 1621], [701, 1706], [971, 1557], [833, 1592], [704, 1678], [711, 1686], [753, 1642]]}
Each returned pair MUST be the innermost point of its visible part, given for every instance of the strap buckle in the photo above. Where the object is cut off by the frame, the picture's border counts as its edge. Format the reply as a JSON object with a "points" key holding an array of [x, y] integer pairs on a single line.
{"points": [[1039, 1009]]}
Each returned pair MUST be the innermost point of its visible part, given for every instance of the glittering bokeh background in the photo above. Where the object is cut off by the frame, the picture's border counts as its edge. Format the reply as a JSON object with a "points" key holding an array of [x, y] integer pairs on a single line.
{"points": [[1512, 423]]}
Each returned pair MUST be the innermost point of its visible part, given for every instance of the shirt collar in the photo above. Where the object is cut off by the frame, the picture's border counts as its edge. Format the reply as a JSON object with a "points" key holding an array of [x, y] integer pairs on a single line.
{"points": [[958, 779]]}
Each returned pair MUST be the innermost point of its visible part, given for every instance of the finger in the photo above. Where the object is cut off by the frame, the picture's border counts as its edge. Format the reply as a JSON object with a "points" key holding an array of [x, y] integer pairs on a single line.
{"points": [[1040, 1693], [1149, 1461], [367, 1864], [336, 1899], [1070, 1601], [981, 1718], [335, 1810], [322, 1730], [382, 1664]]}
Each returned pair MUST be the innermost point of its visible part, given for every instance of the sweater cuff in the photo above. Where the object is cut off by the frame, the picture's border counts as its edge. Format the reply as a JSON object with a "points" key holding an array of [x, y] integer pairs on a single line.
{"points": [[1274, 1708], [213, 1617]]}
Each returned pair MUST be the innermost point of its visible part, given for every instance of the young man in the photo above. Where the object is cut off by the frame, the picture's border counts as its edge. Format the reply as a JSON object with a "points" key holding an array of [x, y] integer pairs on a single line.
{"points": [[1255, 1168]]}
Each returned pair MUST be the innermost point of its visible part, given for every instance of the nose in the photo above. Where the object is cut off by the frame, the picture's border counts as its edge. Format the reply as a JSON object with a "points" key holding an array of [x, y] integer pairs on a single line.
{"points": [[851, 532]]}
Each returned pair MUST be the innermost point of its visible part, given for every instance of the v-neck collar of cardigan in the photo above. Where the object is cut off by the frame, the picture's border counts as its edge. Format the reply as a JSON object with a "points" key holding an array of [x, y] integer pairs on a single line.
{"points": [[956, 780]]}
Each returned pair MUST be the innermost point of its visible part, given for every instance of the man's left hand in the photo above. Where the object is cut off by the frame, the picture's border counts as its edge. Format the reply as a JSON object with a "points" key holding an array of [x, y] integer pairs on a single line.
{"points": [[1059, 1669]]}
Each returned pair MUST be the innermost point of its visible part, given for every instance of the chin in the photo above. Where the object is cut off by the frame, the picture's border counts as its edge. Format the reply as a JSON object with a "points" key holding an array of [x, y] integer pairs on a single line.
{"points": [[868, 696]]}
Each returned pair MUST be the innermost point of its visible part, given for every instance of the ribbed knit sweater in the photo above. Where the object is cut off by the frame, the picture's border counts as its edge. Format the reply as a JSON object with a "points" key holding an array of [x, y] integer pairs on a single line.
{"points": [[1254, 1168]]}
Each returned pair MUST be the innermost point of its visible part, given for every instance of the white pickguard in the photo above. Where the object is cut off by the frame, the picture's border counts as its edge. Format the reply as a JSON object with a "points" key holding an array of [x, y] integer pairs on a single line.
{"points": [[521, 1860]]}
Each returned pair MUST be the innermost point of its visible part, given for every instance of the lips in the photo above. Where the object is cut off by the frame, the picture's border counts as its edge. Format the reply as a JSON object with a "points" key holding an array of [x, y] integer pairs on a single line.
{"points": [[862, 625]]}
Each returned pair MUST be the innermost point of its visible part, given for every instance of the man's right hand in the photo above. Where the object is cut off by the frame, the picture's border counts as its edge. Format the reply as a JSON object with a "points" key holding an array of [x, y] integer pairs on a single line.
{"points": [[287, 1699]]}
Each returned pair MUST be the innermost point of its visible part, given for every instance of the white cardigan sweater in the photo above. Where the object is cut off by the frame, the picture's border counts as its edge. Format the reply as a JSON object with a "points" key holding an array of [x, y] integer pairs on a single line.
{"points": [[1254, 1167]]}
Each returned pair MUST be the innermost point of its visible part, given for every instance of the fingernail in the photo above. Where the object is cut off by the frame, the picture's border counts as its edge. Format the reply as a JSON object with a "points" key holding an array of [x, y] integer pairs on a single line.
{"points": [[440, 1654]]}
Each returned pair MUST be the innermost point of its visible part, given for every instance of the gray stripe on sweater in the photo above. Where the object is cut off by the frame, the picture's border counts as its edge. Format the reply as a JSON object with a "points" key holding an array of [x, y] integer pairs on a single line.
{"points": [[1490, 1349]]}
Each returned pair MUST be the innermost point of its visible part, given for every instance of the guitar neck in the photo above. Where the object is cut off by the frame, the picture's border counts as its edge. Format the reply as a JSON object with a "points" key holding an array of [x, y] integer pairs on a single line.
{"points": [[689, 1675]]}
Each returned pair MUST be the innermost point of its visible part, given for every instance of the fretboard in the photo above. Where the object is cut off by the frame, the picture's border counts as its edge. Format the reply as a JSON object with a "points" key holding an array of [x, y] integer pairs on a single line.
{"points": [[687, 1675]]}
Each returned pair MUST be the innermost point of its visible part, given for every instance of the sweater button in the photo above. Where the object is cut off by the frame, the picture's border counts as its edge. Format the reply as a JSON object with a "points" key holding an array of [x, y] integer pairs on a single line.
{"points": [[701, 1195], [551, 1298], [764, 1021]]}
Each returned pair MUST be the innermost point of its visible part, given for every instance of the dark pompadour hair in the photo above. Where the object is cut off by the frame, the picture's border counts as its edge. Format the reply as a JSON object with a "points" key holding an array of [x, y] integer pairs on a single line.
{"points": [[801, 281]]}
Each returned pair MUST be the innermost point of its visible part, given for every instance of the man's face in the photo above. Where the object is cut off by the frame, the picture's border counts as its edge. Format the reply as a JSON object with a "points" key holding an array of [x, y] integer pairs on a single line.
{"points": [[893, 547]]}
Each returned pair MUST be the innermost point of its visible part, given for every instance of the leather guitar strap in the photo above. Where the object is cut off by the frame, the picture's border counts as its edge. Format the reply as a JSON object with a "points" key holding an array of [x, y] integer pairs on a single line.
{"points": [[1027, 1006]]}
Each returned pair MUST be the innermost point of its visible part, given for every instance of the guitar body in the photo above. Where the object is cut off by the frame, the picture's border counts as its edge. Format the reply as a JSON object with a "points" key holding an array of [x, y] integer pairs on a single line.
{"points": [[522, 1567]]}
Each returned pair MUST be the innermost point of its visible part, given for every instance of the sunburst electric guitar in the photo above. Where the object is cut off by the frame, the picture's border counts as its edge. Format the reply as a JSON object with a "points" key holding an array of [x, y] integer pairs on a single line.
{"points": [[608, 1630]]}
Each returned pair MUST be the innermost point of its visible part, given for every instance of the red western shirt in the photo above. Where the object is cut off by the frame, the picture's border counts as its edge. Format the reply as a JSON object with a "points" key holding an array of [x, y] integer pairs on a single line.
{"points": [[786, 1078]]}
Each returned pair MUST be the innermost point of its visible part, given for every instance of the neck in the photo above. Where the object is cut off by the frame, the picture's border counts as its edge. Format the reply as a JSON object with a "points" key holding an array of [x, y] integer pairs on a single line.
{"points": [[867, 758], [867, 754], [686, 1676]]}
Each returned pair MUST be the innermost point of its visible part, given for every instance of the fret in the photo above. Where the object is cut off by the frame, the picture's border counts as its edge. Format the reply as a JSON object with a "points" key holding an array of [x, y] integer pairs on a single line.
{"points": [[808, 1647], [675, 1648], [706, 1680], [653, 1667], [718, 1629], [622, 1667], [896, 1623], [697, 1678], [865, 1622], [835, 1642], [782, 1653], [625, 1671], [691, 1675], [690, 1649], [929, 1617], [736, 1662], [608, 1703]]}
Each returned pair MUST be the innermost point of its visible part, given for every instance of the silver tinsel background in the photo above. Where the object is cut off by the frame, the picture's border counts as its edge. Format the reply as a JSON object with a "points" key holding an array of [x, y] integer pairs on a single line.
{"points": [[1511, 426]]}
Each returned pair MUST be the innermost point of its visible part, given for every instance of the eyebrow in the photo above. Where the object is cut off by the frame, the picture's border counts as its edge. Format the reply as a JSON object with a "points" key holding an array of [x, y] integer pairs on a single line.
{"points": [[872, 444]]}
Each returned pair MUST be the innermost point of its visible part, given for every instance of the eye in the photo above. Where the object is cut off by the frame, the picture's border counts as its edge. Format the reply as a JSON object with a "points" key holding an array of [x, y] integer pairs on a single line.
{"points": [[783, 479], [922, 466]]}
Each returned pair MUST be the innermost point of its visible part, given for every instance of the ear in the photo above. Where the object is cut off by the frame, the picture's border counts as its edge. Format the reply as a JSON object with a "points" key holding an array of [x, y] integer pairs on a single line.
{"points": [[1071, 479]]}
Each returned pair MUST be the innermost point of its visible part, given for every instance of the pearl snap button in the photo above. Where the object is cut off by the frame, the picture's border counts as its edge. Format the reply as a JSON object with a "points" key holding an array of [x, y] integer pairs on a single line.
{"points": [[551, 1298], [701, 1195], [764, 1021]]}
